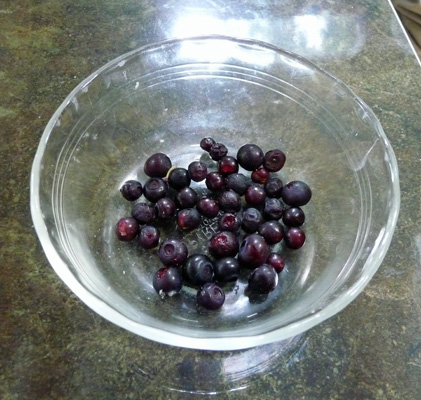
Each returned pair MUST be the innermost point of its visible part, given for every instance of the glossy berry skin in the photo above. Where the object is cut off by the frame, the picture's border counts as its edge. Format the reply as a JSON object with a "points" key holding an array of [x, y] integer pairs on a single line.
{"points": [[226, 269], [149, 237], [157, 165], [227, 165], [186, 197], [188, 219], [250, 157], [229, 201], [237, 182], [296, 193], [223, 244], [294, 238], [210, 296], [253, 251], [217, 151], [206, 143], [274, 160], [198, 269], [126, 229], [276, 261], [165, 208], [179, 178], [143, 213], [293, 217], [255, 195], [172, 252], [155, 189], [214, 181], [273, 187], [263, 279], [167, 281], [229, 222], [208, 207], [273, 209], [272, 231], [260, 175], [251, 220], [197, 171], [131, 190]]}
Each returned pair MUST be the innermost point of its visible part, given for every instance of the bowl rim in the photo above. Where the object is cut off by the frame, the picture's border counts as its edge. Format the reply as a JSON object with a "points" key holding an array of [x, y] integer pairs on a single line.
{"points": [[209, 343]]}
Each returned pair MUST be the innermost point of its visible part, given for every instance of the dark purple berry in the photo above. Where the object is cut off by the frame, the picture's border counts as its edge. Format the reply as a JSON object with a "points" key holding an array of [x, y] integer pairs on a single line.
{"points": [[251, 220], [255, 195], [253, 251], [276, 261], [167, 281], [223, 244], [293, 216], [210, 296], [206, 143], [294, 238], [127, 228], [250, 157], [272, 231], [229, 201], [226, 269], [157, 165], [227, 165], [131, 190], [214, 181], [198, 269], [273, 187], [217, 151], [143, 213], [179, 178], [229, 222], [149, 237], [155, 189], [273, 209], [173, 252], [296, 193], [165, 208], [186, 197], [188, 219], [237, 182], [197, 171], [208, 207], [274, 160], [263, 279], [260, 175]]}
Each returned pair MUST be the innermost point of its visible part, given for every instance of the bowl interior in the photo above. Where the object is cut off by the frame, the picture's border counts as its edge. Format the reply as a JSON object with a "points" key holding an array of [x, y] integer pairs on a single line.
{"points": [[165, 98]]}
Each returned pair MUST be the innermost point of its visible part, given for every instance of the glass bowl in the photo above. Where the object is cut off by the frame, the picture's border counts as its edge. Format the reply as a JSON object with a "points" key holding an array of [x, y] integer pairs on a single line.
{"points": [[165, 97]]}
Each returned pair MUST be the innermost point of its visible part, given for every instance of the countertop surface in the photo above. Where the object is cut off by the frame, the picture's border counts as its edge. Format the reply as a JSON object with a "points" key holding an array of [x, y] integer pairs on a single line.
{"points": [[54, 347]]}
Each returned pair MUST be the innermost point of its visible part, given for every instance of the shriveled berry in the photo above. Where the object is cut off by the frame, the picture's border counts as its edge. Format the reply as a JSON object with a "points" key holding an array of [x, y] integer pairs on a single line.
{"points": [[197, 171], [226, 269], [126, 229], [210, 296], [179, 178], [217, 151], [260, 175], [155, 189], [198, 269], [188, 219], [273, 209], [263, 279], [229, 201], [167, 281], [296, 193], [251, 220], [255, 195], [223, 244], [272, 231], [273, 187], [173, 252], [131, 190], [227, 165], [208, 207], [293, 216], [157, 165], [229, 222], [237, 182], [206, 143], [250, 157], [276, 261], [274, 160], [294, 238], [165, 208], [149, 237], [214, 181], [253, 251], [143, 213]]}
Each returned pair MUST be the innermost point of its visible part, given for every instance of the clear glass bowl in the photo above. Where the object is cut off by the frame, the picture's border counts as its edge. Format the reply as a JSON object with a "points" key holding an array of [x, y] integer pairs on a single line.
{"points": [[164, 98]]}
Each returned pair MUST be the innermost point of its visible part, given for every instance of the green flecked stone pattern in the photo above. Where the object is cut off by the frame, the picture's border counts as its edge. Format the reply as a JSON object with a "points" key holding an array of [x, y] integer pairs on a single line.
{"points": [[53, 347]]}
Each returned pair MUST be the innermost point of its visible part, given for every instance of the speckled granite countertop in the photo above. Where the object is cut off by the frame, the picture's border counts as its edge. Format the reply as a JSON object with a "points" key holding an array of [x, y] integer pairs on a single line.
{"points": [[54, 347]]}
